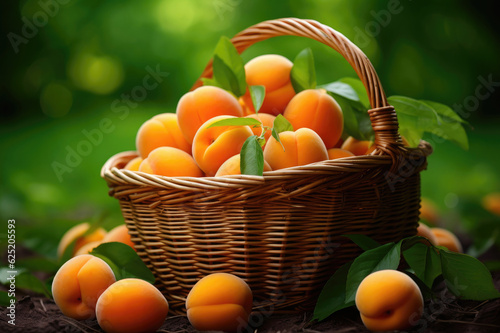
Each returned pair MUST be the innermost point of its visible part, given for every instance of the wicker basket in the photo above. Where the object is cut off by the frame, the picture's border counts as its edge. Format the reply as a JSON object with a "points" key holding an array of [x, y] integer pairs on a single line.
{"points": [[282, 232]]}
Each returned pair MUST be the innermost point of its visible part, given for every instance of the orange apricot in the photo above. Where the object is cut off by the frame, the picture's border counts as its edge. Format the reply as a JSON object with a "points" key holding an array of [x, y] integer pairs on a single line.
{"points": [[170, 162], [131, 306], [424, 231], [219, 302], [428, 211], [491, 202], [77, 234], [78, 284], [133, 164], [334, 153], [273, 72], [87, 248], [304, 146], [119, 234], [198, 106], [267, 120], [160, 131], [317, 110], [389, 300], [358, 147], [447, 239], [212, 146], [232, 167]]}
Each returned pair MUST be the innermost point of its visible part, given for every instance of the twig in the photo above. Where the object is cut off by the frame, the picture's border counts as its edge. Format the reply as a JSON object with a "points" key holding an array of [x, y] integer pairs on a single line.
{"points": [[79, 327], [43, 305]]}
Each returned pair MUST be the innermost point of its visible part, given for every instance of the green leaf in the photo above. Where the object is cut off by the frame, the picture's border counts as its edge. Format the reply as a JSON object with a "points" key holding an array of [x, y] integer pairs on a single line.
{"points": [[251, 157], [124, 261], [237, 121], [386, 256], [38, 264], [466, 277], [28, 281], [332, 296], [228, 67], [303, 74], [257, 93], [425, 262], [492, 265], [280, 124], [450, 126], [210, 82], [363, 241], [359, 88], [480, 246], [4, 298], [356, 119]]}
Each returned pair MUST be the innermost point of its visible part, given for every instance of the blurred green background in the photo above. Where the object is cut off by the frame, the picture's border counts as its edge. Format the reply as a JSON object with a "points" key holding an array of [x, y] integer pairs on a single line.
{"points": [[73, 81]]}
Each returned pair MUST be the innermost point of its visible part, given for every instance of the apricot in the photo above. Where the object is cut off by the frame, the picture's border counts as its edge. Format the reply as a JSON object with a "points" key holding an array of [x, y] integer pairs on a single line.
{"points": [[358, 147], [334, 153], [133, 164], [170, 162], [447, 239], [131, 306], [304, 146], [428, 211], [77, 234], [315, 109], [232, 167], [119, 234], [198, 106], [219, 302], [389, 300], [78, 284], [213, 146], [160, 131], [273, 72], [491, 202], [87, 248], [424, 231], [267, 120]]}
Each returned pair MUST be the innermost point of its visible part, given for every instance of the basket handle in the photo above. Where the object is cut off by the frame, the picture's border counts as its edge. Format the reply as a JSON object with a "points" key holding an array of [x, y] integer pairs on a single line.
{"points": [[382, 115]]}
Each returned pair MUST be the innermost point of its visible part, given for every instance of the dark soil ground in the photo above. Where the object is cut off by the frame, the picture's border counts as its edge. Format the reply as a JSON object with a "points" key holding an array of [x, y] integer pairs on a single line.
{"points": [[444, 314]]}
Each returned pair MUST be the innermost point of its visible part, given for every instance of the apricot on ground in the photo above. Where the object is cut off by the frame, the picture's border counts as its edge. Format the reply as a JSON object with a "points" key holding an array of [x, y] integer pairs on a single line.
{"points": [[429, 211], [119, 234], [77, 234], [170, 162], [447, 239], [301, 147], [78, 284], [160, 131], [424, 231], [219, 302], [273, 72], [491, 202], [198, 106], [317, 110], [232, 167], [131, 306], [389, 300], [212, 146]]}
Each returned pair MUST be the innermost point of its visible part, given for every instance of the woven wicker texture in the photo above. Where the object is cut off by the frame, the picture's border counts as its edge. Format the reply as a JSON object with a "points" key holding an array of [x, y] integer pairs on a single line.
{"points": [[282, 232]]}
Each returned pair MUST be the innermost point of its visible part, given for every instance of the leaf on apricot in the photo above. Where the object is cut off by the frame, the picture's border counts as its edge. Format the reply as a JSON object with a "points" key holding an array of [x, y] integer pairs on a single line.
{"points": [[303, 73], [252, 157], [466, 277], [425, 262], [238, 121], [386, 256], [280, 124], [124, 261], [257, 93], [333, 294], [228, 67]]}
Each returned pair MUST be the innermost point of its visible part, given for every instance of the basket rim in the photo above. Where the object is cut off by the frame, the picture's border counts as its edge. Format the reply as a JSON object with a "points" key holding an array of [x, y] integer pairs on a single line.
{"points": [[114, 174]]}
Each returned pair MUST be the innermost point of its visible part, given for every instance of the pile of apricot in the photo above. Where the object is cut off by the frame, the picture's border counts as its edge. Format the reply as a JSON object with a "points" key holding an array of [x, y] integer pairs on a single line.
{"points": [[184, 144]]}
